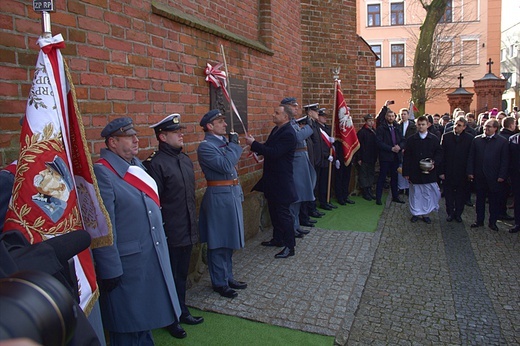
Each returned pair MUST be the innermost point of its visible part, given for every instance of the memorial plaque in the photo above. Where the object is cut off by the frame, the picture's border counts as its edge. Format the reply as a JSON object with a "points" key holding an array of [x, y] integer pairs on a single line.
{"points": [[217, 99]]}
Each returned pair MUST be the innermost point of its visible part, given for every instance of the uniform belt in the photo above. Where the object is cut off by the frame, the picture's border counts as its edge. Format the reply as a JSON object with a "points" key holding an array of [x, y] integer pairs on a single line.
{"points": [[222, 182], [300, 149]]}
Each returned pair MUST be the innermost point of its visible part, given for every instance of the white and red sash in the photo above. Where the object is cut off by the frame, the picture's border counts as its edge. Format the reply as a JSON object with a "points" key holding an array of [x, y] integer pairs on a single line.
{"points": [[138, 178]]}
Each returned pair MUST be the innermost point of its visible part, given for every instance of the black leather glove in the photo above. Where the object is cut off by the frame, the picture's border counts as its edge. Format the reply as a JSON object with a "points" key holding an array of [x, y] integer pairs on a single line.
{"points": [[233, 137], [108, 285]]}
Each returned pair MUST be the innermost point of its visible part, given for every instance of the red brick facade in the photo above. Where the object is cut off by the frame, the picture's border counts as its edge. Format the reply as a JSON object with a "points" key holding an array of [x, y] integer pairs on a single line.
{"points": [[145, 59]]}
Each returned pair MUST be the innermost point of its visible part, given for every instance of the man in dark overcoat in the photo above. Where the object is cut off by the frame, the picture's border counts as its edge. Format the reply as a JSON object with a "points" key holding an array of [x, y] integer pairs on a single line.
{"points": [[514, 171], [172, 170], [488, 167], [277, 182], [390, 143], [366, 157], [136, 282], [455, 145], [221, 221]]}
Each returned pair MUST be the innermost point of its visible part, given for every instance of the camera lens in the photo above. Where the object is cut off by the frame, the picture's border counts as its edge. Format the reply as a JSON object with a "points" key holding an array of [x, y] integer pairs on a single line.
{"points": [[37, 306]]}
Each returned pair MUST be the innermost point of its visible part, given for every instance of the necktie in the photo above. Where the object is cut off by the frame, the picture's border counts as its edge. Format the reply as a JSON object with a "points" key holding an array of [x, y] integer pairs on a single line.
{"points": [[392, 132]]}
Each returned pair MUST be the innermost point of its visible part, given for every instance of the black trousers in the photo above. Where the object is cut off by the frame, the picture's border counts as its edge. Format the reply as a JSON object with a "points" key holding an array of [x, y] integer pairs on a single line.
{"points": [[341, 182], [455, 196], [180, 261], [386, 167], [283, 223], [516, 195], [483, 191]]}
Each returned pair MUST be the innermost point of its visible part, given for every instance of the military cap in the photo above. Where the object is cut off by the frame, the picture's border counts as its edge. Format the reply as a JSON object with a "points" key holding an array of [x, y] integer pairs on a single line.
{"points": [[119, 127], [368, 116], [312, 107], [289, 101], [210, 116], [170, 123], [321, 112]]}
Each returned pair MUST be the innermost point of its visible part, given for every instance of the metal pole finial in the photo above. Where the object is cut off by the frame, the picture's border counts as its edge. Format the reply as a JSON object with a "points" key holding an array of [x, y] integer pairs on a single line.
{"points": [[335, 72]]}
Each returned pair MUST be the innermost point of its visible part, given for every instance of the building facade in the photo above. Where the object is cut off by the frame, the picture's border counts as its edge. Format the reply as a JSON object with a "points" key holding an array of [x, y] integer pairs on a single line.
{"points": [[467, 37], [510, 53]]}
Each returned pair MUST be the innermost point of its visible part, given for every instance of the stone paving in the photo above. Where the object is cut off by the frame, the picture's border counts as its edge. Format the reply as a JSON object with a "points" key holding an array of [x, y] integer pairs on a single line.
{"points": [[405, 284]]}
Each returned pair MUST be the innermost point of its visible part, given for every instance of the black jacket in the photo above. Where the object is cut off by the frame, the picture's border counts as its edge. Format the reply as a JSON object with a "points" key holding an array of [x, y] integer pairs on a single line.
{"points": [[456, 152], [384, 141], [367, 152], [488, 160], [172, 170], [277, 182], [418, 149]]}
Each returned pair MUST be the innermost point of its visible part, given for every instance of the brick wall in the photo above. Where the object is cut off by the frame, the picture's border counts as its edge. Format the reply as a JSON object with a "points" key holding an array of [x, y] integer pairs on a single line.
{"points": [[329, 40]]}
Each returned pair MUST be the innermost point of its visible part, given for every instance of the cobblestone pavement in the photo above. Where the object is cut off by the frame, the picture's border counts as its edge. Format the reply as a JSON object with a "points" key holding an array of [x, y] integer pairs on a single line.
{"points": [[405, 284]]}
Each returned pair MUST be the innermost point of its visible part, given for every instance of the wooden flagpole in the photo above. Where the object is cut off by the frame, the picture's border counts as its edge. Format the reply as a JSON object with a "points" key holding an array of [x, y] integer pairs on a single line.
{"points": [[334, 114], [228, 87]]}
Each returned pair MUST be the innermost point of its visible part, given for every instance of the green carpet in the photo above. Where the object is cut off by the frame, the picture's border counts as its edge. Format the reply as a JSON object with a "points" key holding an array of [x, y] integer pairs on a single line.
{"points": [[361, 217], [228, 331]]}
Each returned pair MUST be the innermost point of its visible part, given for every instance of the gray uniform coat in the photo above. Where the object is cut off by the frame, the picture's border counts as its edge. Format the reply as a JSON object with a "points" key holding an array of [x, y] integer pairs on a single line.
{"points": [[146, 298], [221, 221], [303, 170]]}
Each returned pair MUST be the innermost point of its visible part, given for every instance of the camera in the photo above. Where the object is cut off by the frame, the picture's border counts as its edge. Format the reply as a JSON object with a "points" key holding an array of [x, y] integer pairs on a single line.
{"points": [[37, 306]]}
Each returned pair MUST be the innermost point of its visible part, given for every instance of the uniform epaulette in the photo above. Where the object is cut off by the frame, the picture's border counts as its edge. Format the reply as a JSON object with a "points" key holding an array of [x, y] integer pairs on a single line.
{"points": [[151, 156]]}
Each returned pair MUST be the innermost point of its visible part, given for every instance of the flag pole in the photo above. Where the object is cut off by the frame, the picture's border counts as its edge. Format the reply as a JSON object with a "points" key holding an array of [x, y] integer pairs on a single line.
{"points": [[45, 7], [228, 87], [333, 125]]}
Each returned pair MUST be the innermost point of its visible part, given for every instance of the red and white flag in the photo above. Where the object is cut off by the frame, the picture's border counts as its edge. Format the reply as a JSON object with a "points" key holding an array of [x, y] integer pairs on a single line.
{"points": [[344, 128], [55, 191]]}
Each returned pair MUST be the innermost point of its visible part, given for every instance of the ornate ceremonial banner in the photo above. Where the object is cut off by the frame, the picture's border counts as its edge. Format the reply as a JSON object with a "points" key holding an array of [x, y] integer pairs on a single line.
{"points": [[345, 131], [55, 191]]}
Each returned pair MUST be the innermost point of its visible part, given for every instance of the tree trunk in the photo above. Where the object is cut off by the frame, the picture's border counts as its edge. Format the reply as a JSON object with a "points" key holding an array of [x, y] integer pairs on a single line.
{"points": [[421, 65]]}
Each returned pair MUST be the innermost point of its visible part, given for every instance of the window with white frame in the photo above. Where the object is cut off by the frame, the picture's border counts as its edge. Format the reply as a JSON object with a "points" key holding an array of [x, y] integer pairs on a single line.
{"points": [[512, 51], [374, 15], [397, 13], [376, 48], [448, 14], [397, 55], [503, 54]]}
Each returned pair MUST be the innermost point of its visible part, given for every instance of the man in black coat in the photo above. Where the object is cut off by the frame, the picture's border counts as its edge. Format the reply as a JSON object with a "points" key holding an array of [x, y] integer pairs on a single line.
{"points": [[514, 154], [390, 142], [488, 166], [366, 157], [172, 170], [455, 145], [424, 190], [277, 182]]}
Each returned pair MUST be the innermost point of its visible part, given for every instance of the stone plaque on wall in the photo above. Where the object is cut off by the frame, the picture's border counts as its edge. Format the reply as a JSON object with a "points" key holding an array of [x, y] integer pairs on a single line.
{"points": [[217, 100]]}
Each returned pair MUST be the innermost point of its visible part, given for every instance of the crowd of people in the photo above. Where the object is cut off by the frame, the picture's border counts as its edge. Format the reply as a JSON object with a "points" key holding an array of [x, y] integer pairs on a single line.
{"points": [[152, 205]]}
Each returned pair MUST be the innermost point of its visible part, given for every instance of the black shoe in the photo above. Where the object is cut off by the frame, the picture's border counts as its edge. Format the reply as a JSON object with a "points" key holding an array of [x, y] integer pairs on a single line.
{"points": [[176, 331], [340, 202], [349, 201], [298, 234], [286, 252], [397, 200], [493, 227], [515, 229], [469, 204], [312, 221], [367, 197], [316, 214], [307, 224], [332, 206], [477, 224], [427, 219], [225, 291], [414, 219], [371, 194], [191, 320], [272, 242], [458, 219], [378, 202], [304, 231], [505, 217], [325, 207], [237, 285], [449, 218]]}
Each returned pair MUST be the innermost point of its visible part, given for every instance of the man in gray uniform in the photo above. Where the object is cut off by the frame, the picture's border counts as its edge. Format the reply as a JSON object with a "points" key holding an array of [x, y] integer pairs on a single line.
{"points": [[221, 222], [137, 287]]}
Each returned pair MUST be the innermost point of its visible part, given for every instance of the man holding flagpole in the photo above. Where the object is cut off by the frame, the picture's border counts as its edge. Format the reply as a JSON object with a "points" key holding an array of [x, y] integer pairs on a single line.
{"points": [[137, 288]]}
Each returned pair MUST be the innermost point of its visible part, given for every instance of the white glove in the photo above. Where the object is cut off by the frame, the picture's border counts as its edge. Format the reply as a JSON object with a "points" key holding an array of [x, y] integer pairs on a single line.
{"points": [[332, 139], [337, 164], [330, 158]]}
